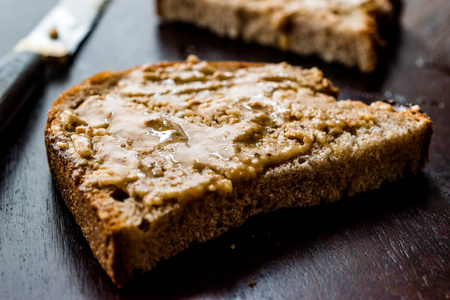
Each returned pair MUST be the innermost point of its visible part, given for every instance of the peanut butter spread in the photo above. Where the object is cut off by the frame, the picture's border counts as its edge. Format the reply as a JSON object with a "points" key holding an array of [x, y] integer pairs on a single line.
{"points": [[350, 15], [178, 131]]}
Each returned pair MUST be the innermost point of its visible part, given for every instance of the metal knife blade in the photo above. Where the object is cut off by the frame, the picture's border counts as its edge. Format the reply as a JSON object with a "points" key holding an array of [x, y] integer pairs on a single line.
{"points": [[62, 30], [57, 36]]}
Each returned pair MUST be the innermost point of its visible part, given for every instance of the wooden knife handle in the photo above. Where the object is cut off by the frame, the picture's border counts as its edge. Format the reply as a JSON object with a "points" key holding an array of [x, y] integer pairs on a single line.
{"points": [[19, 73]]}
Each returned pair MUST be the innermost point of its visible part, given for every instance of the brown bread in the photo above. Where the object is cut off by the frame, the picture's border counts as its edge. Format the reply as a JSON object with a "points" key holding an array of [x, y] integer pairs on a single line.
{"points": [[159, 157], [343, 31]]}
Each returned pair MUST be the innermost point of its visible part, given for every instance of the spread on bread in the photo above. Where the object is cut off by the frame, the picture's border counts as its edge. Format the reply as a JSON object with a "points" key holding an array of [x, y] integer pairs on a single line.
{"points": [[178, 132]]}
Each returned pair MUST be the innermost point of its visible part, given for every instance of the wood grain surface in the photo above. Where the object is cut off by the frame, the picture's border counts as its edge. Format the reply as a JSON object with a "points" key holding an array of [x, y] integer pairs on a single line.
{"points": [[389, 244]]}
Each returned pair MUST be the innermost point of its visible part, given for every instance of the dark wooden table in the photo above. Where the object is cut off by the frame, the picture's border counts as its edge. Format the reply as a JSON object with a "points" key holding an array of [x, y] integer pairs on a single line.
{"points": [[391, 243]]}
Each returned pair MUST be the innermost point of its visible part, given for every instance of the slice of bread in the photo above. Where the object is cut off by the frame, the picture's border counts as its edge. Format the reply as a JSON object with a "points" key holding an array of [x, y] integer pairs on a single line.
{"points": [[159, 157], [344, 31]]}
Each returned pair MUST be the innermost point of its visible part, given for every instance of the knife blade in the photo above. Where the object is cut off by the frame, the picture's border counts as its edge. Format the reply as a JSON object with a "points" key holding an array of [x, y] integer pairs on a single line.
{"points": [[57, 37]]}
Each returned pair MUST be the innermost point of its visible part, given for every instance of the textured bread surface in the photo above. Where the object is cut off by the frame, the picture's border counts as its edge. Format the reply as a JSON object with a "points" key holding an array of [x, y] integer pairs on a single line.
{"points": [[159, 157], [343, 31]]}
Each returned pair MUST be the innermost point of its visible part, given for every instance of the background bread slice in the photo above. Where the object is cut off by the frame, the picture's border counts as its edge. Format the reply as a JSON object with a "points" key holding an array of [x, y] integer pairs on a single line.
{"points": [[355, 162], [347, 32]]}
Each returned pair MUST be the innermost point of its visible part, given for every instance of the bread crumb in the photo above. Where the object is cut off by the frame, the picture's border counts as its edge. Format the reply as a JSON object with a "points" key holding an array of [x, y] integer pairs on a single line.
{"points": [[252, 283], [53, 33], [233, 246]]}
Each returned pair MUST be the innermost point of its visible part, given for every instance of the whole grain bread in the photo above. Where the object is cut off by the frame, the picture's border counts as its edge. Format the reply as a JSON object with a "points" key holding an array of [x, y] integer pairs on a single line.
{"points": [[159, 157], [343, 31]]}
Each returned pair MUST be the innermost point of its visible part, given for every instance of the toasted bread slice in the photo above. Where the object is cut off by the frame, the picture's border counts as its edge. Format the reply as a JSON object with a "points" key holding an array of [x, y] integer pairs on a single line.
{"points": [[343, 31], [159, 157]]}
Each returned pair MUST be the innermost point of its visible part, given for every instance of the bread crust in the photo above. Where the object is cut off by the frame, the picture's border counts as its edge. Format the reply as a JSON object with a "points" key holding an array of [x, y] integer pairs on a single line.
{"points": [[126, 251]]}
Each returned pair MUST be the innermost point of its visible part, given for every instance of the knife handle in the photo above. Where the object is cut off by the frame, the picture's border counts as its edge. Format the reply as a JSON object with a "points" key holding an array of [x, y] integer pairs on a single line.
{"points": [[19, 72]]}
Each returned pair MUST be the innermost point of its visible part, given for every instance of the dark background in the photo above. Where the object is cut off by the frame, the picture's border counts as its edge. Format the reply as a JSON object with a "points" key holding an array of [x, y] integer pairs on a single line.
{"points": [[391, 243]]}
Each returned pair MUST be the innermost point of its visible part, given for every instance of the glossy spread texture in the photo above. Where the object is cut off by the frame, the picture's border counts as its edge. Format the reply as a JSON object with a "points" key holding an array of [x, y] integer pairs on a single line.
{"points": [[178, 131]]}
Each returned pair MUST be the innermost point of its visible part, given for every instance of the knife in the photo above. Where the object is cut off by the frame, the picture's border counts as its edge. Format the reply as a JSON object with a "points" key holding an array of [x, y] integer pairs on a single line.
{"points": [[55, 38]]}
